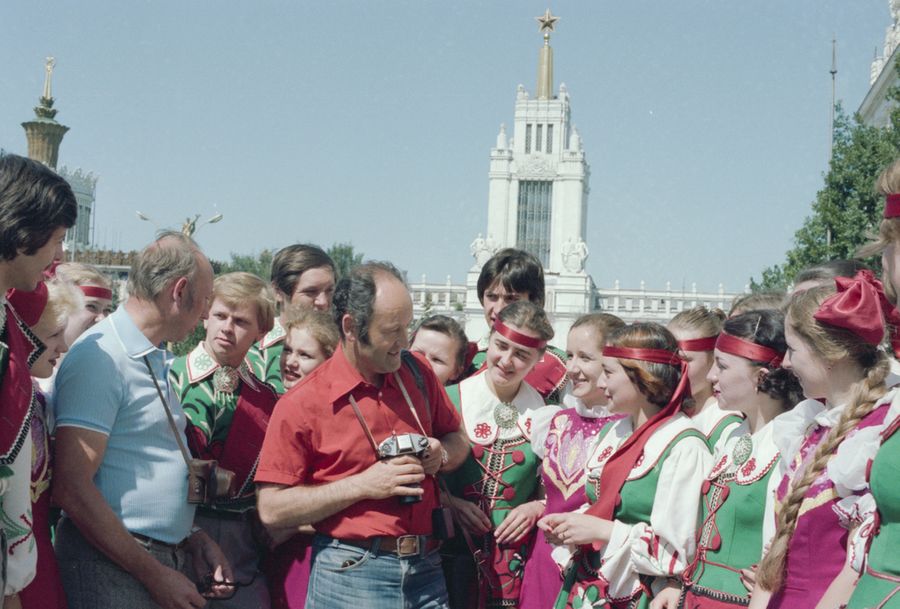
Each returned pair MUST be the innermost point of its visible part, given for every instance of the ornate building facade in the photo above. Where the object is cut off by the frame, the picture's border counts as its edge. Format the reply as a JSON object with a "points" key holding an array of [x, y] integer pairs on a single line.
{"points": [[875, 108]]}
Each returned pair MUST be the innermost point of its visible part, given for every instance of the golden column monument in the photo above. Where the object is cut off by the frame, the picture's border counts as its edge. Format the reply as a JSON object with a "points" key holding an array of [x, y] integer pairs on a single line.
{"points": [[44, 133]]}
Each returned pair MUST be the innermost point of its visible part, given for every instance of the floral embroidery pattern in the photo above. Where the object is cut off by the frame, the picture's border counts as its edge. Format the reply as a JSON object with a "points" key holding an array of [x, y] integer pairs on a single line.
{"points": [[482, 430], [749, 466], [604, 455]]}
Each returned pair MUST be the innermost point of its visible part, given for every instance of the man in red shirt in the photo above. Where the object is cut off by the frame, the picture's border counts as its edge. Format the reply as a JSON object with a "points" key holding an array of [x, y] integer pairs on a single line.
{"points": [[325, 460]]}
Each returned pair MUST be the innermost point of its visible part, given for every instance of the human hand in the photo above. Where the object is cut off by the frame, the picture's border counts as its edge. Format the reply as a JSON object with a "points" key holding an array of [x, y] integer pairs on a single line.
{"points": [[668, 597], [210, 565], [748, 577], [392, 477], [518, 522], [170, 589], [433, 458], [470, 516], [12, 602], [575, 529]]}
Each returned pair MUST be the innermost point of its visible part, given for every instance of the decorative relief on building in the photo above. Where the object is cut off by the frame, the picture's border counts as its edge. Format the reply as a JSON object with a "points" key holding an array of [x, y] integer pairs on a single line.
{"points": [[536, 168]]}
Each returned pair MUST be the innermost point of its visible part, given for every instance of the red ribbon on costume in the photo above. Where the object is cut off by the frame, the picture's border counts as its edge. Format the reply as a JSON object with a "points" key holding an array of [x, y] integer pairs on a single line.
{"points": [[892, 206], [860, 307], [741, 347], [620, 464], [698, 344], [95, 291], [29, 306], [518, 337]]}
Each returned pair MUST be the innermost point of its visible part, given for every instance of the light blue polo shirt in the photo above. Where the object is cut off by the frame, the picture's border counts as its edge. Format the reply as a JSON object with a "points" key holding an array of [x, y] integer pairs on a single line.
{"points": [[103, 385]]}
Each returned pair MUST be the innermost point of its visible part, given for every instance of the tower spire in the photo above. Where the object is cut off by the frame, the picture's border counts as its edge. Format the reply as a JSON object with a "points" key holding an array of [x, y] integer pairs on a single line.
{"points": [[545, 60], [44, 133]]}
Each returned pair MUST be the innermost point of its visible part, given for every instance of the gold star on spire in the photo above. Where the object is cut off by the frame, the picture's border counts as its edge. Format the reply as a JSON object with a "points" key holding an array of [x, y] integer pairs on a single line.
{"points": [[547, 21]]}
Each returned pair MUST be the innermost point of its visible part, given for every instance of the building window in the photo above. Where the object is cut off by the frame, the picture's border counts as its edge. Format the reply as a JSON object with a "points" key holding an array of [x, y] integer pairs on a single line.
{"points": [[528, 138], [549, 138], [533, 230], [538, 138]]}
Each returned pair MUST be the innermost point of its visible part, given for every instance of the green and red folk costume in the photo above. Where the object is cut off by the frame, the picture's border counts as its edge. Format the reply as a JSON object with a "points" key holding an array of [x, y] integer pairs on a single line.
{"points": [[502, 470], [647, 482], [228, 411], [264, 357], [738, 517], [879, 584]]}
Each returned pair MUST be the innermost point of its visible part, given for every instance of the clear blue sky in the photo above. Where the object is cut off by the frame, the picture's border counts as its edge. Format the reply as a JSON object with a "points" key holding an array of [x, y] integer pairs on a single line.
{"points": [[706, 123]]}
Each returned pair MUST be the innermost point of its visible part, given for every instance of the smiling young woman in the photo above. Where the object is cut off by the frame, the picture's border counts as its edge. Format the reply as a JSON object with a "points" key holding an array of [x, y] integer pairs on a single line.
{"points": [[496, 491], [644, 477]]}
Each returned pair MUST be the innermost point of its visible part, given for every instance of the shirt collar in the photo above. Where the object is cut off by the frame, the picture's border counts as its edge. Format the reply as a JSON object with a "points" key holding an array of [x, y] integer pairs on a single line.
{"points": [[201, 364], [344, 376], [134, 342]]}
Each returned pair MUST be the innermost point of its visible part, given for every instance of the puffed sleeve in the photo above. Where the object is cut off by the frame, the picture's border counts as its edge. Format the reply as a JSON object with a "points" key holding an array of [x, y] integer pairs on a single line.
{"points": [[665, 545], [21, 555], [540, 427]]}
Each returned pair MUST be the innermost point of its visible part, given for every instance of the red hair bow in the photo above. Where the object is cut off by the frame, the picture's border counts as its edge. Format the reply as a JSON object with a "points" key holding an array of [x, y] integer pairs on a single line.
{"points": [[860, 307]]}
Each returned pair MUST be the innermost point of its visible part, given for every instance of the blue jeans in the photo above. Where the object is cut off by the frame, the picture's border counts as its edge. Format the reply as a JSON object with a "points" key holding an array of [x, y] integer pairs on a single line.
{"points": [[347, 576]]}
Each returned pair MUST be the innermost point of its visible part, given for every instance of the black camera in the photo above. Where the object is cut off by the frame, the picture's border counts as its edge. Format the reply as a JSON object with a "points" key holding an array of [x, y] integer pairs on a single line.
{"points": [[404, 444]]}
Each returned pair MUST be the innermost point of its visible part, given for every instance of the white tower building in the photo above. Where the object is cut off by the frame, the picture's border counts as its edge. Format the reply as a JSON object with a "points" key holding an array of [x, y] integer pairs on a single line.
{"points": [[538, 193]]}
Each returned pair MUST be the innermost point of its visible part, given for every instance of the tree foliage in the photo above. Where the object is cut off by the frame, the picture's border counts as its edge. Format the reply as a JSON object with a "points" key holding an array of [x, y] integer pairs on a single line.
{"points": [[847, 210], [257, 264], [345, 258]]}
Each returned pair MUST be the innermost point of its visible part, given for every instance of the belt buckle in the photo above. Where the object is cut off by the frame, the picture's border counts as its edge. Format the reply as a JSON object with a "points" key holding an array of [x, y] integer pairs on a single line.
{"points": [[408, 545]]}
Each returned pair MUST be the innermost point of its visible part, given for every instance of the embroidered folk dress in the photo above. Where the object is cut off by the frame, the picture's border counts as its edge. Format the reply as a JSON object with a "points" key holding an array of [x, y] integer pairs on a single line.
{"points": [[548, 377], [879, 584], [228, 410], [819, 547], [738, 517], [501, 471], [654, 528], [717, 425], [264, 357], [563, 471]]}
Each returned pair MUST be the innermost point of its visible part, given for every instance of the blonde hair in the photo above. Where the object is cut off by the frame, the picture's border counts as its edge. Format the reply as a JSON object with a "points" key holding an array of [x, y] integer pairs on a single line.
{"points": [[831, 344], [888, 183], [238, 288], [63, 299], [705, 322], [756, 301], [78, 273], [601, 323], [319, 324]]}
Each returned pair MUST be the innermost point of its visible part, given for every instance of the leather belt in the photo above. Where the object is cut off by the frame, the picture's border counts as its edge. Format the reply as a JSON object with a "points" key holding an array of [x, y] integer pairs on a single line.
{"points": [[149, 542], [402, 547]]}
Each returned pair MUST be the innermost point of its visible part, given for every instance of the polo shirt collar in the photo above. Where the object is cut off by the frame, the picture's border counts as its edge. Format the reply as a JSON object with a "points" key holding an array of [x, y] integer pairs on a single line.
{"points": [[134, 342], [345, 376]]}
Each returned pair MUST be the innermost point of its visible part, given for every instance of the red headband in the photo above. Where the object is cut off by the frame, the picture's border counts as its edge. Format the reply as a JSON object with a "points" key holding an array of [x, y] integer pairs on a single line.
{"points": [[735, 345], [860, 307], [892, 206], [657, 356], [29, 306], [698, 344], [94, 291], [518, 337]]}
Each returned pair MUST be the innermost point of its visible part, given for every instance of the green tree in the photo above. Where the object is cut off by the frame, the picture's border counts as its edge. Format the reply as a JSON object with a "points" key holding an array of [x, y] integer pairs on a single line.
{"points": [[345, 258], [258, 264], [847, 209]]}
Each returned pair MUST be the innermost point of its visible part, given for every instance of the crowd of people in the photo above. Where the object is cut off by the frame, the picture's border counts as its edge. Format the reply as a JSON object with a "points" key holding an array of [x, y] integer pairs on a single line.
{"points": [[321, 448]]}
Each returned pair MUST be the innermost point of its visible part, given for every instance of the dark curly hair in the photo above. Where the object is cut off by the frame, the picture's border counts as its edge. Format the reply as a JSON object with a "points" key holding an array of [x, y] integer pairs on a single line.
{"points": [[766, 327]]}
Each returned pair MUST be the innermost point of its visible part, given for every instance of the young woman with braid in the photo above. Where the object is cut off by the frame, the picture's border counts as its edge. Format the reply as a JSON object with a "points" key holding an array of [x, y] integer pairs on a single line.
{"points": [[738, 495], [833, 336], [696, 330], [879, 582], [643, 481]]}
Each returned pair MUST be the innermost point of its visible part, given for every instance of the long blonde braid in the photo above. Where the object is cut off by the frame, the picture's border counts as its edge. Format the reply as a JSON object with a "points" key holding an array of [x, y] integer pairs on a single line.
{"points": [[831, 344]]}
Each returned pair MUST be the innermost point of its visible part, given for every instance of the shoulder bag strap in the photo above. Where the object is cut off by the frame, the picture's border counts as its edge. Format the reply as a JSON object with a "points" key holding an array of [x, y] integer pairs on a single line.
{"points": [[184, 450]]}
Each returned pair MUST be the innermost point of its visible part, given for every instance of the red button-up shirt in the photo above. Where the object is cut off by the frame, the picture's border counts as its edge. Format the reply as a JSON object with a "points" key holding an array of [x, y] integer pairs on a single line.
{"points": [[314, 438]]}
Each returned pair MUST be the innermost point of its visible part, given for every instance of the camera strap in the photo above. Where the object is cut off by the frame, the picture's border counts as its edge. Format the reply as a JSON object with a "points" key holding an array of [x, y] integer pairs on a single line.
{"points": [[362, 422], [181, 446]]}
